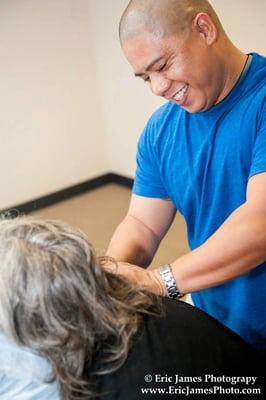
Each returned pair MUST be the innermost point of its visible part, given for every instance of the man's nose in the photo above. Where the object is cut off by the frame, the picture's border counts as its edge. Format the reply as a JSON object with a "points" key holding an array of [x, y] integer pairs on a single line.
{"points": [[159, 84]]}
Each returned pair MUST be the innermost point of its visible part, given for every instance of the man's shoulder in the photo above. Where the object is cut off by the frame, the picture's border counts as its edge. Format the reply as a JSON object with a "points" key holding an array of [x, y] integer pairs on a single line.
{"points": [[259, 59], [258, 71], [253, 96]]}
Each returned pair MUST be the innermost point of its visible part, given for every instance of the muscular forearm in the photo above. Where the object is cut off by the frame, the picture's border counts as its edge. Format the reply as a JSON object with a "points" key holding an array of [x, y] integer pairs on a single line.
{"points": [[126, 244], [238, 246], [234, 249]]}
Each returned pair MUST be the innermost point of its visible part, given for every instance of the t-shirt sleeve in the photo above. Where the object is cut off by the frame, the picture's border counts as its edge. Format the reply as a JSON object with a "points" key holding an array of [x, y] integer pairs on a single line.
{"points": [[148, 181], [258, 165]]}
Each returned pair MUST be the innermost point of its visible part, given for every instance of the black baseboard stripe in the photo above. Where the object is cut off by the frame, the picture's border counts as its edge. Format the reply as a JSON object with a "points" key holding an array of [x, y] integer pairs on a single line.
{"points": [[67, 193]]}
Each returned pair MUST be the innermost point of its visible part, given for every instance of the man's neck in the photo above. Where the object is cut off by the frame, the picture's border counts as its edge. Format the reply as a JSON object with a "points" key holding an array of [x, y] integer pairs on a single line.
{"points": [[234, 66]]}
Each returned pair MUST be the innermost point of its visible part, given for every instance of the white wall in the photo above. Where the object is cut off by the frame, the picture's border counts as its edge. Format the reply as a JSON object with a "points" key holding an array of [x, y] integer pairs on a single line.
{"points": [[71, 108], [51, 125], [244, 22], [126, 102]]}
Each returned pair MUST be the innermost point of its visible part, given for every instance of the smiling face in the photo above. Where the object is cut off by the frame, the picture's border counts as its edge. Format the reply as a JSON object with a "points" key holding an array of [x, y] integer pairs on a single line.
{"points": [[183, 68]]}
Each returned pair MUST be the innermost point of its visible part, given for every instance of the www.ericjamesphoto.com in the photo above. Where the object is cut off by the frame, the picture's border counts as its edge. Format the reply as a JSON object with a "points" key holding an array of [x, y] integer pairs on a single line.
{"points": [[208, 384]]}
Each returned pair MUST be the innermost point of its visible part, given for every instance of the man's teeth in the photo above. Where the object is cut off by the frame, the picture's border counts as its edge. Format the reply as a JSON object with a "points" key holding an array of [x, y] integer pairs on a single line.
{"points": [[181, 93]]}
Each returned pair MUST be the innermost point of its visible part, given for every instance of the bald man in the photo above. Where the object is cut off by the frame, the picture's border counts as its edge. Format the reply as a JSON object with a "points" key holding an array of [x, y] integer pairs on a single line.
{"points": [[202, 153]]}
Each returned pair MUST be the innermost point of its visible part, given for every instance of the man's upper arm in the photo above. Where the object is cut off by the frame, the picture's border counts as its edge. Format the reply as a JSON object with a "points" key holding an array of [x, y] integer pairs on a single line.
{"points": [[156, 214], [256, 191], [256, 203]]}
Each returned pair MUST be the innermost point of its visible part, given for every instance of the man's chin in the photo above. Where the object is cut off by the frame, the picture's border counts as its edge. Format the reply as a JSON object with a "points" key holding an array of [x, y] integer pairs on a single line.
{"points": [[196, 108]]}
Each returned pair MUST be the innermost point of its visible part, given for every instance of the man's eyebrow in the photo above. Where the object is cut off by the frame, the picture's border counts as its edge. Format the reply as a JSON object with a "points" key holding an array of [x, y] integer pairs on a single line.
{"points": [[149, 66]]}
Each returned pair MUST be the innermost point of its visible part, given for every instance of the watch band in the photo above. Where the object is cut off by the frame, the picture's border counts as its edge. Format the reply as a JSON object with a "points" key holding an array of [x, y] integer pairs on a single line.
{"points": [[170, 283]]}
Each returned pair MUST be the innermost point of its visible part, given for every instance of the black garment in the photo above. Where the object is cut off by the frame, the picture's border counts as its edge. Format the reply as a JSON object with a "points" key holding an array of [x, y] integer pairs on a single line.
{"points": [[184, 345]]}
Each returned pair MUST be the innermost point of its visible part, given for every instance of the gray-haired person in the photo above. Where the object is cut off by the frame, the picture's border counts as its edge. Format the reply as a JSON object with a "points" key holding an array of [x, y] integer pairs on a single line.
{"points": [[70, 329]]}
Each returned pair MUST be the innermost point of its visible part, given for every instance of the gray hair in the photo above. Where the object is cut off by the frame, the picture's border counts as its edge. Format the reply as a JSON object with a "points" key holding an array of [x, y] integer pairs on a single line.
{"points": [[56, 298]]}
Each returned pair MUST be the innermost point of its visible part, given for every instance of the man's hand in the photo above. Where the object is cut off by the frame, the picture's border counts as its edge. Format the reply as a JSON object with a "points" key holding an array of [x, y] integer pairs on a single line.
{"points": [[147, 279]]}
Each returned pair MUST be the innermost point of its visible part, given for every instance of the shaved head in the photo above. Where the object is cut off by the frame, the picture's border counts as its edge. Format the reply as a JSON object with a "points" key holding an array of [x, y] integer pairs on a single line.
{"points": [[162, 17]]}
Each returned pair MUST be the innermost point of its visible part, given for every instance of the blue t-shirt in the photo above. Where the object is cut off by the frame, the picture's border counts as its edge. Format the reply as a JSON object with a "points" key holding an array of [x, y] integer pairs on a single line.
{"points": [[202, 162]]}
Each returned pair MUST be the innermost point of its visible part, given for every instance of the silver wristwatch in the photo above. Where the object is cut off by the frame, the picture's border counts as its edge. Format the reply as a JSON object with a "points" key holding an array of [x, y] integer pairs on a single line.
{"points": [[168, 278]]}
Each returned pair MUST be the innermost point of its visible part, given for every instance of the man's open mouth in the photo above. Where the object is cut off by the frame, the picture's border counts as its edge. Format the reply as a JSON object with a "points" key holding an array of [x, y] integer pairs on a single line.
{"points": [[181, 93]]}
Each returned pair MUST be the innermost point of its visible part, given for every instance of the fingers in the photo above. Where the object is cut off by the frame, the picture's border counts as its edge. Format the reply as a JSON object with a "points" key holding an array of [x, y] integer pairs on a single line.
{"points": [[109, 264], [148, 280]]}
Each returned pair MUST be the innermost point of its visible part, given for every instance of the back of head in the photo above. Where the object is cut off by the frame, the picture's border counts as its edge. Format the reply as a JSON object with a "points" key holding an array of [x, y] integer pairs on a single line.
{"points": [[162, 17], [56, 298], [38, 260]]}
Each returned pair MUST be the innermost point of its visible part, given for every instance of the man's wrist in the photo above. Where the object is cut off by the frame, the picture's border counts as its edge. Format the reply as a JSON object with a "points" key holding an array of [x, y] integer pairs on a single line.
{"points": [[169, 282], [158, 286]]}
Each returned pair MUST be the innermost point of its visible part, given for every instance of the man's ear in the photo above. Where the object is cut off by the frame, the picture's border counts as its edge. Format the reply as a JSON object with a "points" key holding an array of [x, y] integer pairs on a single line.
{"points": [[204, 25]]}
